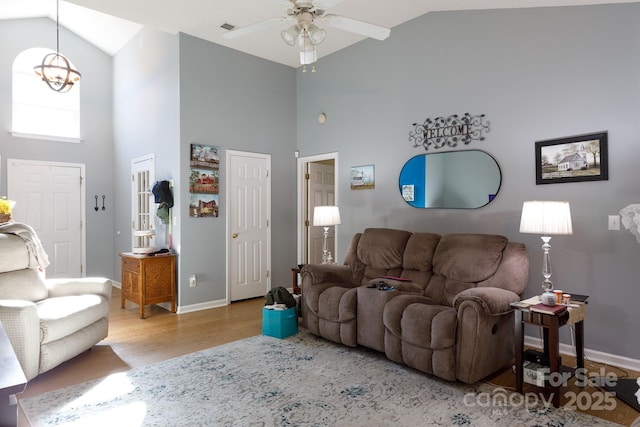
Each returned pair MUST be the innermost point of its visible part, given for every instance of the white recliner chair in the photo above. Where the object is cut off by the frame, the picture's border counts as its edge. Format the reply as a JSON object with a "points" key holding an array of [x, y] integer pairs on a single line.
{"points": [[48, 321]]}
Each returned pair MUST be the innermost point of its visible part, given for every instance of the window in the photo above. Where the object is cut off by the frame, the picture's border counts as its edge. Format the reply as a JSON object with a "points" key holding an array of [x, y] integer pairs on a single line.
{"points": [[38, 111], [143, 171]]}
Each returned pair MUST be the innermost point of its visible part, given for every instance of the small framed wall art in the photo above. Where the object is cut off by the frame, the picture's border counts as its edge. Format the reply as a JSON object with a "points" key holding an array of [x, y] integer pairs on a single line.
{"points": [[204, 181], [572, 159], [363, 177]]}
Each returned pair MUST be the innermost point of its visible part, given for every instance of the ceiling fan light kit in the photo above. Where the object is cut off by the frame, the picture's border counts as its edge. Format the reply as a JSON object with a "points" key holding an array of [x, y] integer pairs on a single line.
{"points": [[305, 33]]}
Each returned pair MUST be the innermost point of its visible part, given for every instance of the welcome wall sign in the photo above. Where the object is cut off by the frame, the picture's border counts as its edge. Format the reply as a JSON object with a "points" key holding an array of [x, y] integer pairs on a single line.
{"points": [[449, 131]]}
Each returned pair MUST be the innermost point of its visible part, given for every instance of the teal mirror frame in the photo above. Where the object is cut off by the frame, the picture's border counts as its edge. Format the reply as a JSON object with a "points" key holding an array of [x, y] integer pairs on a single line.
{"points": [[466, 179]]}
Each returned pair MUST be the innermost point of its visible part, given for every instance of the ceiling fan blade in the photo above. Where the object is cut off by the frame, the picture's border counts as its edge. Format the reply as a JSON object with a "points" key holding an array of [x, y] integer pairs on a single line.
{"points": [[252, 28], [360, 27]]}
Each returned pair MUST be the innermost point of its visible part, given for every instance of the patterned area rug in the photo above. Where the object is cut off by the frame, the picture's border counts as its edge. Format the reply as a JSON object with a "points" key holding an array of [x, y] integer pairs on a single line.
{"points": [[299, 381]]}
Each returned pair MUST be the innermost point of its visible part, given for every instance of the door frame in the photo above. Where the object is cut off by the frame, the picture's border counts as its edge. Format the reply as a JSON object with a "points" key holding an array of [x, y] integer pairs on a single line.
{"points": [[302, 198], [82, 190], [227, 210]]}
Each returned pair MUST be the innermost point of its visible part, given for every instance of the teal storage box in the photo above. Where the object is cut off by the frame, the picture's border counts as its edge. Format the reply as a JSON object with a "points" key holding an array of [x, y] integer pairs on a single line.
{"points": [[279, 323]]}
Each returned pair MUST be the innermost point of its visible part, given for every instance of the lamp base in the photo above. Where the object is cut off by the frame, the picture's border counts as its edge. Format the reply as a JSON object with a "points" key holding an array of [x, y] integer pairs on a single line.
{"points": [[548, 298]]}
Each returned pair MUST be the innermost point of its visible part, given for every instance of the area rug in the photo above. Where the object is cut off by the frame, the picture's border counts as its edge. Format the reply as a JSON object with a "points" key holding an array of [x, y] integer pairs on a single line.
{"points": [[298, 381]]}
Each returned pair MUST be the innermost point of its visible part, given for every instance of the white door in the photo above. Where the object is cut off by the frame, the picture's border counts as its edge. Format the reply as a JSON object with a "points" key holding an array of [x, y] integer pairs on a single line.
{"points": [[49, 198], [248, 215], [321, 192]]}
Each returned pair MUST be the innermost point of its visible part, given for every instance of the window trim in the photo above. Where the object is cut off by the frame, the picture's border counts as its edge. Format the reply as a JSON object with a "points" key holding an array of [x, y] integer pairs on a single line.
{"points": [[45, 137]]}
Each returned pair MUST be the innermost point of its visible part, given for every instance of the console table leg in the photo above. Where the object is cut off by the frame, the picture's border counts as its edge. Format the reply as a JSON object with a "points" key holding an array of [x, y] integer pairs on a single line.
{"points": [[579, 344], [553, 345], [519, 343]]}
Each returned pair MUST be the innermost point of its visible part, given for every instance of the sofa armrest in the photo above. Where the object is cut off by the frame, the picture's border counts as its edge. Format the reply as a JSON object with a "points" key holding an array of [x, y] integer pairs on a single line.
{"points": [[339, 275], [494, 301], [79, 286], [20, 321]]}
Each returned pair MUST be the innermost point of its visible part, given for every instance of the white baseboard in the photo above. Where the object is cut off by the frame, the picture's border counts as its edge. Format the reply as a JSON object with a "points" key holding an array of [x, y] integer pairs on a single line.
{"points": [[593, 355], [201, 306], [187, 308]]}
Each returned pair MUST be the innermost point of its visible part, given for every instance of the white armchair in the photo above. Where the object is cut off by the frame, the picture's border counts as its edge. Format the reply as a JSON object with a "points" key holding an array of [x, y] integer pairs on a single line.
{"points": [[47, 321]]}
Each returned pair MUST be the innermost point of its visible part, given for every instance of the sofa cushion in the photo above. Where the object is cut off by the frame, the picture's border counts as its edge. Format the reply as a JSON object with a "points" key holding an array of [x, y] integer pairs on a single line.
{"points": [[418, 253], [417, 262], [381, 251], [429, 326], [468, 258], [62, 316], [25, 284]]}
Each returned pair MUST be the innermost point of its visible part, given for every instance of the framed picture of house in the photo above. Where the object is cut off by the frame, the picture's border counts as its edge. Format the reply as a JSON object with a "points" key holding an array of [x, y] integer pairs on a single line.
{"points": [[572, 159], [204, 179]]}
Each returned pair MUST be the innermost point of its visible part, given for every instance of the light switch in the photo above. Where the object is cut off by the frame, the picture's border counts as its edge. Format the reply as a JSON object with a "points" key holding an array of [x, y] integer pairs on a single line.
{"points": [[614, 222]]}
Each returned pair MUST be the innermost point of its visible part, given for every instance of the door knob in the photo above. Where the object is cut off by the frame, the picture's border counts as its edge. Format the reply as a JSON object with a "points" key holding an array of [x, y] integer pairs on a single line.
{"points": [[234, 235]]}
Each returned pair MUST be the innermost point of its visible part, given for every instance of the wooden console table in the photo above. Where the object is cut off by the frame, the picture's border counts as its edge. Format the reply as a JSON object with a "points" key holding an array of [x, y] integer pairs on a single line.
{"points": [[148, 280], [12, 381], [550, 324]]}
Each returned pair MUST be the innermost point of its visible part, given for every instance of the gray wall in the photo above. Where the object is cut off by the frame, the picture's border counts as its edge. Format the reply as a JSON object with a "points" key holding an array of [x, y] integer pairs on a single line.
{"points": [[537, 74], [173, 91], [237, 102], [96, 151], [146, 120]]}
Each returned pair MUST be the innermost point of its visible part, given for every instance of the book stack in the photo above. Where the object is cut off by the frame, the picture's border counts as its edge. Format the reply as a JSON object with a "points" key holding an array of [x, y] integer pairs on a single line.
{"points": [[548, 309]]}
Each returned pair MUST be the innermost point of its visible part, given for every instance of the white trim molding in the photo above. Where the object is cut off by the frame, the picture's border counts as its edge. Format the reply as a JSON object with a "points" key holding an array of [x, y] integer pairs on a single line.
{"points": [[592, 355]]}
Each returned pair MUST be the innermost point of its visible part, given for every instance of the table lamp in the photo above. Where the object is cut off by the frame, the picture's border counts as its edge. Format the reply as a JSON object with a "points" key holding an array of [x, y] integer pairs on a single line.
{"points": [[546, 218], [326, 216]]}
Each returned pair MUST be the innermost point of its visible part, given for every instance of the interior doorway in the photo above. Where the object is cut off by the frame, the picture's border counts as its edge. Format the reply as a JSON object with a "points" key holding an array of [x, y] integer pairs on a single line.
{"points": [[317, 186], [248, 225]]}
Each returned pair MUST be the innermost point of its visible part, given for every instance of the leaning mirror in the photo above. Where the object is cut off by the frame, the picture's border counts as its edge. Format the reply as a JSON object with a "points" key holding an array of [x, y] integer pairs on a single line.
{"points": [[466, 179]]}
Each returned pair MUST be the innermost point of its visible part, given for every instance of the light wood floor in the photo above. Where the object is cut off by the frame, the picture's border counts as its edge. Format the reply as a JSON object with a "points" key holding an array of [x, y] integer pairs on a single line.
{"points": [[162, 335], [133, 343]]}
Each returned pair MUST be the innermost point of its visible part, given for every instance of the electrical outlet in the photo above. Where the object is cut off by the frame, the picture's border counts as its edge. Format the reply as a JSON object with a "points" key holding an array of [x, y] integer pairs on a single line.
{"points": [[193, 281], [614, 222]]}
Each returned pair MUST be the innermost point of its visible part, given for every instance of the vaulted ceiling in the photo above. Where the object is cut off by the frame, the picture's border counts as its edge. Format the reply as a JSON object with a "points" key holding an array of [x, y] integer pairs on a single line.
{"points": [[111, 24]]}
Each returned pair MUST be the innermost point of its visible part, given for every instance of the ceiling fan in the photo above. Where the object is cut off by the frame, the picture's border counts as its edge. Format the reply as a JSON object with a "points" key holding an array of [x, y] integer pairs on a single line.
{"points": [[305, 33]]}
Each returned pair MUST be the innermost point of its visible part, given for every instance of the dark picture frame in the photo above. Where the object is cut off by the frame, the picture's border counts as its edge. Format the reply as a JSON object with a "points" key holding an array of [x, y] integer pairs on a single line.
{"points": [[572, 159]]}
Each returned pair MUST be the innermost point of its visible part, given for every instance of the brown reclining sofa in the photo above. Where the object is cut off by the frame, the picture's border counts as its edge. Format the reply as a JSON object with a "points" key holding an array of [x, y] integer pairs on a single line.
{"points": [[450, 316]]}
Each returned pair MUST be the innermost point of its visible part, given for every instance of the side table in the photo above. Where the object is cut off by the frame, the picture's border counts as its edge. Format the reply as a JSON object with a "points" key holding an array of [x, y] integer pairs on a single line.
{"points": [[148, 280], [12, 381], [551, 325], [294, 281]]}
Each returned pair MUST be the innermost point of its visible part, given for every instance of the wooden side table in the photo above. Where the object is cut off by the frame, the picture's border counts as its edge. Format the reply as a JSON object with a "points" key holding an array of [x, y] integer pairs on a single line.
{"points": [[551, 325], [148, 280], [294, 281], [12, 381]]}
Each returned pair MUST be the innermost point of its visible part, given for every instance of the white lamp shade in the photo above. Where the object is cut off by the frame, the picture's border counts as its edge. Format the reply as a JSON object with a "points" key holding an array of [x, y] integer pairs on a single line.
{"points": [[546, 218], [326, 215], [316, 34], [290, 35]]}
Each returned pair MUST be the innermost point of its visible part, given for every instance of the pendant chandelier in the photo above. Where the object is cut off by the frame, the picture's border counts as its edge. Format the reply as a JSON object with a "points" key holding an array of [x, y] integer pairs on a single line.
{"points": [[55, 69]]}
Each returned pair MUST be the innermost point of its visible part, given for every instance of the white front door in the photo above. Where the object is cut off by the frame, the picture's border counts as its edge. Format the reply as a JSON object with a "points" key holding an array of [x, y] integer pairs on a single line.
{"points": [[321, 192], [49, 198], [248, 216]]}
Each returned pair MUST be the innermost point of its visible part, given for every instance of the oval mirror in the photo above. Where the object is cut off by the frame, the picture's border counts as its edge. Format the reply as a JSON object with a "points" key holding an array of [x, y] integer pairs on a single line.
{"points": [[466, 179]]}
